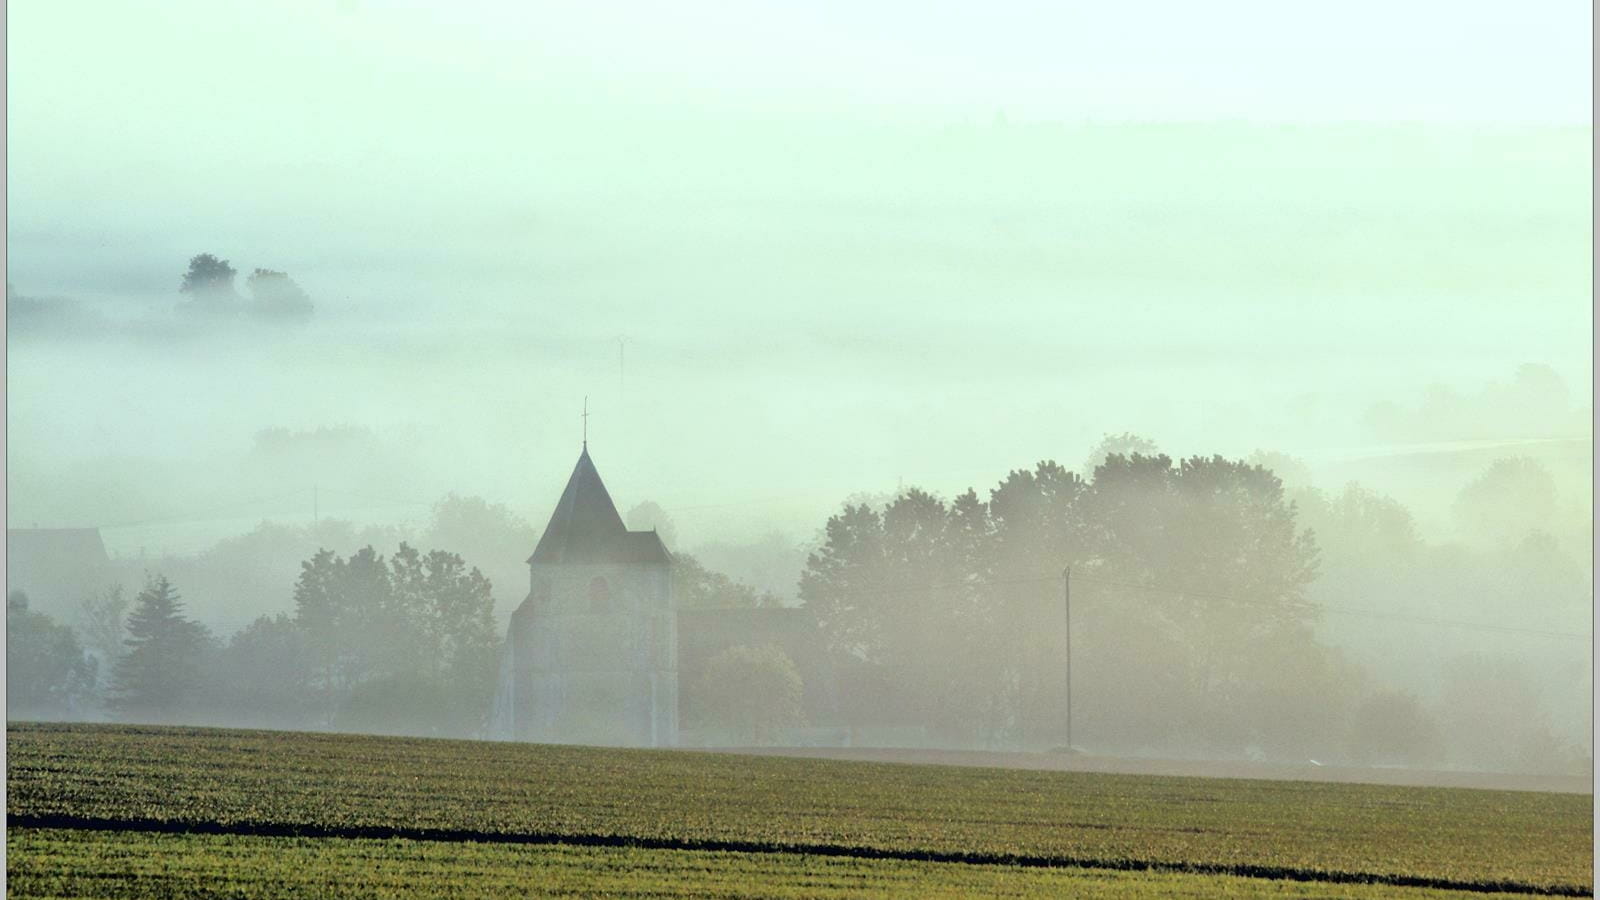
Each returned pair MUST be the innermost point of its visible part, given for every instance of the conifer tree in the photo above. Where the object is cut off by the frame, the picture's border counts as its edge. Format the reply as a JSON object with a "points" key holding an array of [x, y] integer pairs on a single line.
{"points": [[162, 663]]}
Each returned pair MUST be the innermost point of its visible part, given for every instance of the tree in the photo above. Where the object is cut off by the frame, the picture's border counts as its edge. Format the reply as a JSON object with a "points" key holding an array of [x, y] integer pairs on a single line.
{"points": [[1207, 528], [274, 295], [260, 678], [1291, 470], [754, 691], [696, 587], [902, 596], [415, 616], [451, 608], [447, 606], [47, 672], [1391, 727], [1494, 718], [649, 516], [1188, 573], [161, 667], [1040, 527], [1536, 403], [400, 704], [355, 630], [1514, 496], [247, 573], [101, 619], [771, 562], [1124, 444], [487, 535], [1209, 554], [209, 283], [1360, 526], [841, 582]]}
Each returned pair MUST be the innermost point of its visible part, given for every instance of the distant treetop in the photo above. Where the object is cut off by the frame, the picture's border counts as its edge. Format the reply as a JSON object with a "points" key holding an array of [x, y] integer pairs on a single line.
{"points": [[208, 278], [274, 296]]}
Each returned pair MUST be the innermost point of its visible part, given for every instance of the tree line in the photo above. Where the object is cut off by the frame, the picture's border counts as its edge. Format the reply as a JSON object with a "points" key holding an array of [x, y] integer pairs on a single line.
{"points": [[1198, 628], [404, 643], [956, 609], [1196, 611]]}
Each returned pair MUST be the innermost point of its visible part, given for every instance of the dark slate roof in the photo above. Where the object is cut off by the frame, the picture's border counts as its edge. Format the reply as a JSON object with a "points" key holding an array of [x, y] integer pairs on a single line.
{"points": [[585, 527]]}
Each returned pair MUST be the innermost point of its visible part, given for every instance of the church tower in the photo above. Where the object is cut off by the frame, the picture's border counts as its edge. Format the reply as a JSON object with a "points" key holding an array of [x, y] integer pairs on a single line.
{"points": [[591, 654]]}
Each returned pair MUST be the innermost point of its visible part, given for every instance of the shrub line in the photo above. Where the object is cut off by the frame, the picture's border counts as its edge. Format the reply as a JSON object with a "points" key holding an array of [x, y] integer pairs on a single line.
{"points": [[463, 835]]}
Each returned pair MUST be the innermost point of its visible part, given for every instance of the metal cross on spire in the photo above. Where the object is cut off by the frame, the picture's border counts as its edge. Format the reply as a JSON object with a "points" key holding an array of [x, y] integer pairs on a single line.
{"points": [[586, 422]]}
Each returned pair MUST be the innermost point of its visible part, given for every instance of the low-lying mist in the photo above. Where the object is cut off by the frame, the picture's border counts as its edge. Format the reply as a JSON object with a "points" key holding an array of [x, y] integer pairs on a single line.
{"points": [[1305, 403]]}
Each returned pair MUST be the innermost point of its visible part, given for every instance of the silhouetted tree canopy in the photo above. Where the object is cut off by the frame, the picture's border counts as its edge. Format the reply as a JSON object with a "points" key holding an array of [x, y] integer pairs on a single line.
{"points": [[696, 587], [101, 617], [1124, 444], [161, 667], [648, 516], [262, 678], [416, 615], [209, 282], [47, 672], [1514, 496], [490, 537], [754, 692], [1393, 727], [274, 295], [1184, 572]]}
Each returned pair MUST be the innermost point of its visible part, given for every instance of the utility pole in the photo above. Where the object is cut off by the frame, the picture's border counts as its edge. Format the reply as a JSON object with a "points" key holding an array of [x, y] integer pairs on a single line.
{"points": [[315, 518], [1066, 596]]}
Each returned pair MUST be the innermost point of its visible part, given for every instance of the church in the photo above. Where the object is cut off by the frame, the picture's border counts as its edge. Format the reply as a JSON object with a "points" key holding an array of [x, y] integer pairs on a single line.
{"points": [[592, 655]]}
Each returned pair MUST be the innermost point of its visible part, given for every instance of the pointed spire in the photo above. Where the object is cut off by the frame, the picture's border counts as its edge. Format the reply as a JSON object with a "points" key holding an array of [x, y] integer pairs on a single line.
{"points": [[586, 526]]}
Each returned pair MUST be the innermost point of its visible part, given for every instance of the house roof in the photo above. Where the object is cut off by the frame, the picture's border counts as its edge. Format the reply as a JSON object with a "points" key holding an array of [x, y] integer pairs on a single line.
{"points": [[585, 527], [55, 566]]}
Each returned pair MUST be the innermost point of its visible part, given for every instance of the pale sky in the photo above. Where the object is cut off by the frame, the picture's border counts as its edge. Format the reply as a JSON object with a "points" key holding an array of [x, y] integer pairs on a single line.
{"points": [[847, 243], [245, 66]]}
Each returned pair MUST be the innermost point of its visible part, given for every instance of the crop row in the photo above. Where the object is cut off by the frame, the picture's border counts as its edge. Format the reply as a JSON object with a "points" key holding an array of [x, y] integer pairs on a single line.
{"points": [[54, 863], [341, 781]]}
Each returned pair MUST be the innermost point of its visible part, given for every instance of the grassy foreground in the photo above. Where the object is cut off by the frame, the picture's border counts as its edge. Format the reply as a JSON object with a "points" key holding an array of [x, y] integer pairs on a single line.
{"points": [[60, 863], [267, 783]]}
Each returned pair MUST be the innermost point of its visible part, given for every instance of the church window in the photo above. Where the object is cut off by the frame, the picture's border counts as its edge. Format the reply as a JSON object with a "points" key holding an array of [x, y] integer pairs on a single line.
{"points": [[599, 595]]}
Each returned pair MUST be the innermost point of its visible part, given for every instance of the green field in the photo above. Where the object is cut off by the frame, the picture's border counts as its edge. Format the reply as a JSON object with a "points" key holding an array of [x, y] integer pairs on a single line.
{"points": [[61, 863], [371, 815]]}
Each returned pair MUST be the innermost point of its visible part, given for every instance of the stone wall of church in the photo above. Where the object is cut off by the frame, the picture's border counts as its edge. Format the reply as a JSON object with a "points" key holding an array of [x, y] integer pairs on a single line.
{"points": [[593, 657]]}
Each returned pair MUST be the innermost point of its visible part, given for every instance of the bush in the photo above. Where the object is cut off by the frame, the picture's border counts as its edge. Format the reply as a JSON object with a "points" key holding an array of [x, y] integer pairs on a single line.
{"points": [[753, 691], [1391, 727], [405, 704]]}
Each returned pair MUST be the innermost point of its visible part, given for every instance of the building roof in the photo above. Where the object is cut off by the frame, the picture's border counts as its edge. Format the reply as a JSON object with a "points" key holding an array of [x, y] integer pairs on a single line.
{"points": [[585, 527], [56, 567]]}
